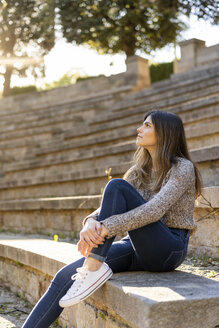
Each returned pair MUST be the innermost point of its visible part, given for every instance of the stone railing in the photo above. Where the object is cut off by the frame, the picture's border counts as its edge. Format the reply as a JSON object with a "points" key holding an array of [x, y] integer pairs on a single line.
{"points": [[136, 77], [194, 53]]}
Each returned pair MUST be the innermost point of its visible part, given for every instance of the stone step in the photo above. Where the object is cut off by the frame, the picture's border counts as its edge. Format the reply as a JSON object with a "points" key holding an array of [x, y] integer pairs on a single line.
{"points": [[194, 111], [20, 148], [64, 215], [167, 100], [90, 181], [71, 183], [57, 215], [127, 299], [78, 159], [197, 88], [28, 119], [37, 122], [52, 100], [198, 71], [177, 81], [40, 132], [126, 128], [204, 134], [168, 89], [22, 141]]}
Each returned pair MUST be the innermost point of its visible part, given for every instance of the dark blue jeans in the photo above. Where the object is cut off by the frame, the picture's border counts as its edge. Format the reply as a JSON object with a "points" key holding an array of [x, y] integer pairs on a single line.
{"points": [[153, 247]]}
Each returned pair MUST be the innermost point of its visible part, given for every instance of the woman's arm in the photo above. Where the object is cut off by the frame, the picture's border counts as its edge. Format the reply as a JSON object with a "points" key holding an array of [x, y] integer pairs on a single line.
{"points": [[181, 177], [93, 215]]}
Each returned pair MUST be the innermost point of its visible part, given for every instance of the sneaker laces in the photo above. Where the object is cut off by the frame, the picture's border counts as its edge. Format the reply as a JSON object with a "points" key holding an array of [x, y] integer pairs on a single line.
{"points": [[79, 278]]}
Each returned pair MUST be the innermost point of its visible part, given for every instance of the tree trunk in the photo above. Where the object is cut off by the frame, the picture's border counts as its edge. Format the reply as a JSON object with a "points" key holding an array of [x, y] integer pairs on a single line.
{"points": [[7, 82]]}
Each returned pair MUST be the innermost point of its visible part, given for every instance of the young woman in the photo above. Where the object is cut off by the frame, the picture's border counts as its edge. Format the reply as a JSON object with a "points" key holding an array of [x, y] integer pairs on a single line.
{"points": [[153, 203]]}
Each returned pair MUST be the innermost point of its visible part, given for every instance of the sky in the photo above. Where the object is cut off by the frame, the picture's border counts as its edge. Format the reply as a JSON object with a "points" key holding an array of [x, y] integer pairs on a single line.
{"points": [[67, 58]]}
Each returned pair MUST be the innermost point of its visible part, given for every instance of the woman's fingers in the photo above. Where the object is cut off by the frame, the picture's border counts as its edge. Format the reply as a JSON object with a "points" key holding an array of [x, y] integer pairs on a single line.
{"points": [[95, 236], [87, 251], [84, 248], [83, 245], [98, 228], [91, 237]]}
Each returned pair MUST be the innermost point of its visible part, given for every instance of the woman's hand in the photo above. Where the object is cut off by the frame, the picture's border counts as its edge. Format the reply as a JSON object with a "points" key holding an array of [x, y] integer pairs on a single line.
{"points": [[92, 235]]}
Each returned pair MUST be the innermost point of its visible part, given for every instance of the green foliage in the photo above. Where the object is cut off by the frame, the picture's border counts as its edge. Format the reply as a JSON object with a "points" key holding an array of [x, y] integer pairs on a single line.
{"points": [[112, 26], [82, 78], [66, 79], [19, 90], [116, 26], [102, 314], [160, 71]]}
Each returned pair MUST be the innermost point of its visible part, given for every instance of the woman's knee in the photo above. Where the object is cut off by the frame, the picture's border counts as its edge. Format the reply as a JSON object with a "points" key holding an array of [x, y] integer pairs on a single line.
{"points": [[116, 183]]}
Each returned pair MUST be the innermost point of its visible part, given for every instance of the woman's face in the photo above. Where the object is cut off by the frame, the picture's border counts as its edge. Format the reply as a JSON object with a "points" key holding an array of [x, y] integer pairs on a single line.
{"points": [[146, 134]]}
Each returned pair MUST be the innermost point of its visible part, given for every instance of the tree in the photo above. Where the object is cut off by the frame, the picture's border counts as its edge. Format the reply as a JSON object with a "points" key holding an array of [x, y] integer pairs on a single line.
{"points": [[26, 29], [112, 26]]}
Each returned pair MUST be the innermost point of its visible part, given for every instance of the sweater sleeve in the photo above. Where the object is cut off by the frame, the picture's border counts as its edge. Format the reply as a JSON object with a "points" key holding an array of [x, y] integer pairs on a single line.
{"points": [[181, 177], [93, 215]]}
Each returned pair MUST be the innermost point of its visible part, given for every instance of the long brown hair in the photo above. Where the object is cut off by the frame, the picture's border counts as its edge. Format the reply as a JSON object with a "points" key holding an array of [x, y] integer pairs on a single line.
{"points": [[171, 142]]}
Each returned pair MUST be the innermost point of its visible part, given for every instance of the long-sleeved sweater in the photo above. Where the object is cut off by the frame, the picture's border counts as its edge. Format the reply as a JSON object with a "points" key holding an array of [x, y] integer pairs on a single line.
{"points": [[174, 203]]}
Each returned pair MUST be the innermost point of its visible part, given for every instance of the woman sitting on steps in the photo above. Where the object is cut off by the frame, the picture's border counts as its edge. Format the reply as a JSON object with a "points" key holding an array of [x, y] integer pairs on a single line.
{"points": [[153, 203]]}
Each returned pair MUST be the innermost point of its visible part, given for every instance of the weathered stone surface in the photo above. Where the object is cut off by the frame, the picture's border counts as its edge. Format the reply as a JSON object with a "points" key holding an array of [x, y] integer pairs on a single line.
{"points": [[130, 299], [26, 140], [194, 53], [206, 215], [91, 181], [13, 308], [63, 216]]}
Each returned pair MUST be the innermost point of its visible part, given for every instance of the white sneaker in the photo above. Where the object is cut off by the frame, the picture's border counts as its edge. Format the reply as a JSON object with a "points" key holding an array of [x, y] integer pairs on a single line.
{"points": [[86, 282]]}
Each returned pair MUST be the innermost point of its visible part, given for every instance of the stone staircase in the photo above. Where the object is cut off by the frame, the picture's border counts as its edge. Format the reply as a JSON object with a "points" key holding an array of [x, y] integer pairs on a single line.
{"points": [[54, 153]]}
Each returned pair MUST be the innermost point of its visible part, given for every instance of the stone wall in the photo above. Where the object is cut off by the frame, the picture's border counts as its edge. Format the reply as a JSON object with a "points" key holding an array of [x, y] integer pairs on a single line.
{"points": [[128, 300], [136, 77], [194, 53]]}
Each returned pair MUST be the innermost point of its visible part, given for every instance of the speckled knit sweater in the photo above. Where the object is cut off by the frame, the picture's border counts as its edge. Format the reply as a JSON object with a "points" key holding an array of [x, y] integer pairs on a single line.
{"points": [[174, 203]]}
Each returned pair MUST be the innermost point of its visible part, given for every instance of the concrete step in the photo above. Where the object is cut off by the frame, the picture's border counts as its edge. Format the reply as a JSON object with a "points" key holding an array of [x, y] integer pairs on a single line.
{"points": [[90, 181], [64, 215], [127, 299]]}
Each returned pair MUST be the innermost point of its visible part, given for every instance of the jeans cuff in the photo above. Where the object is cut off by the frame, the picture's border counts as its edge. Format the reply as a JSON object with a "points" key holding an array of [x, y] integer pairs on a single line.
{"points": [[97, 257]]}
